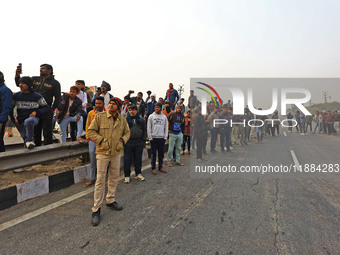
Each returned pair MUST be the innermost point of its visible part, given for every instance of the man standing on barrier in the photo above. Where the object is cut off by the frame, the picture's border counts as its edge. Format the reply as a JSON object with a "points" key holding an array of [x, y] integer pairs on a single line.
{"points": [[110, 131], [49, 88]]}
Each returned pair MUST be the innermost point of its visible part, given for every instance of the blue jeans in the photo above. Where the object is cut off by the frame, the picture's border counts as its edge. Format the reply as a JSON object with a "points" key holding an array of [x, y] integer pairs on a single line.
{"points": [[317, 124], [2, 132], [93, 165], [26, 128], [175, 140], [258, 133], [63, 127]]}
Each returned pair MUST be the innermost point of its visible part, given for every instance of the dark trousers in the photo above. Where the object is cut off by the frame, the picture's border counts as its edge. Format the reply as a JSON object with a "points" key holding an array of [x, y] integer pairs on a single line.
{"points": [[310, 126], [214, 134], [157, 145], [199, 147], [44, 125], [133, 149], [330, 128], [2, 132], [290, 123], [73, 126], [204, 140], [186, 140], [225, 138]]}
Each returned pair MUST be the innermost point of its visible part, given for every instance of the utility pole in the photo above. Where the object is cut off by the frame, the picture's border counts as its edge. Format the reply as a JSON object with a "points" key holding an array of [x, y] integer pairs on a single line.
{"points": [[180, 90]]}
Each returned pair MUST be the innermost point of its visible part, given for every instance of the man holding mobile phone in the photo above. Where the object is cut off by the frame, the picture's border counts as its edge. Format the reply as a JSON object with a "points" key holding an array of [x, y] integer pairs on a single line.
{"points": [[49, 88]]}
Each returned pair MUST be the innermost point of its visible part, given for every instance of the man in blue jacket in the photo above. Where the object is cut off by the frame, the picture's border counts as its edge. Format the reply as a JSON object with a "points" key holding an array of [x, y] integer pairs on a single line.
{"points": [[5, 109], [171, 96]]}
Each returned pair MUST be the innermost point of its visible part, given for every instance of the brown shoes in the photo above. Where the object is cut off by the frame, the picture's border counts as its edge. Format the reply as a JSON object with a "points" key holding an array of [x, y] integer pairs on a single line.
{"points": [[89, 183], [169, 164], [162, 170], [180, 164]]}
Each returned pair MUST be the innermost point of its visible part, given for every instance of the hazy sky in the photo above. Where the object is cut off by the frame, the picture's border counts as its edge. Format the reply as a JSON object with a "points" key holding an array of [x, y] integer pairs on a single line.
{"points": [[145, 45]]}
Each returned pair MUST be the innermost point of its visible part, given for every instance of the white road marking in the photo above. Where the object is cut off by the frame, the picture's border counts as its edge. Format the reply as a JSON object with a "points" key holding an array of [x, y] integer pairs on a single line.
{"points": [[47, 208], [296, 162], [285, 133]]}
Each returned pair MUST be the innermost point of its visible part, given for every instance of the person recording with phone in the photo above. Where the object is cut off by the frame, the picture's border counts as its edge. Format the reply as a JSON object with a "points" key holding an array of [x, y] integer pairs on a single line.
{"points": [[49, 88]]}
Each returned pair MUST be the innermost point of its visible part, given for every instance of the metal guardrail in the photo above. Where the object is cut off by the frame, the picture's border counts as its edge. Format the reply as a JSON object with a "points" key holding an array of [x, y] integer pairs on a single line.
{"points": [[24, 158]]}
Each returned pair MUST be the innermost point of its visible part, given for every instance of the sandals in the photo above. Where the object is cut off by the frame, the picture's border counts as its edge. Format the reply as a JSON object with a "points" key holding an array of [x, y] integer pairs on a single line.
{"points": [[80, 140]]}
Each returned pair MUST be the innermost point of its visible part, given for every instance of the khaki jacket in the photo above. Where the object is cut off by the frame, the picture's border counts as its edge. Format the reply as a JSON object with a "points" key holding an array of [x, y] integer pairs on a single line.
{"points": [[107, 133]]}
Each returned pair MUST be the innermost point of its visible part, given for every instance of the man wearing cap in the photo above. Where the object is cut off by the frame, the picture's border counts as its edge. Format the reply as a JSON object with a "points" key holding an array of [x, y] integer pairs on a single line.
{"points": [[157, 129], [104, 92], [110, 131], [5, 108], [30, 106], [172, 96], [49, 88]]}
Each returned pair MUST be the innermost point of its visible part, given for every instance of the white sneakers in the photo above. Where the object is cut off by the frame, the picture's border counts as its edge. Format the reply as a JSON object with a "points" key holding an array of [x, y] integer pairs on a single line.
{"points": [[140, 177], [30, 145]]}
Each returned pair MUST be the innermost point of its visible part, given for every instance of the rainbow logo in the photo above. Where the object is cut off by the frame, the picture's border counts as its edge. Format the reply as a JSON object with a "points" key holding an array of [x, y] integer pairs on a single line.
{"points": [[208, 92]]}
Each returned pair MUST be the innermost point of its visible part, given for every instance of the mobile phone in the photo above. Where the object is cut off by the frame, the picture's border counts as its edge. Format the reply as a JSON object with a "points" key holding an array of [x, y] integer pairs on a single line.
{"points": [[20, 65]]}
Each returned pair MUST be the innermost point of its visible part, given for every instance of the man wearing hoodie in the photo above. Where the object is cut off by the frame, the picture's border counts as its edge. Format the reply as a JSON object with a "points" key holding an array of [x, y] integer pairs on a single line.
{"points": [[172, 96], [5, 108], [49, 88], [176, 130], [30, 106], [134, 147], [157, 130]]}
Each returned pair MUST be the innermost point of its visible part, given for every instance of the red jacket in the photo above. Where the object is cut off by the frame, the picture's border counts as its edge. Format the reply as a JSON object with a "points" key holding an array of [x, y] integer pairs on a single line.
{"points": [[187, 130]]}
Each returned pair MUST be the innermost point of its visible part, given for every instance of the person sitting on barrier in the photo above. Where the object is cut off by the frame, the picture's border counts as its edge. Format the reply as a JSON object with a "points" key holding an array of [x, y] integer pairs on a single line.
{"points": [[99, 107], [134, 147], [30, 105], [110, 131], [5, 108], [70, 111]]}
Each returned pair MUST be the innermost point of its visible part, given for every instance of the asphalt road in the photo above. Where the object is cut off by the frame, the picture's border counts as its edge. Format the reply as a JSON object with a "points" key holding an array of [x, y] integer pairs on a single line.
{"points": [[174, 213]]}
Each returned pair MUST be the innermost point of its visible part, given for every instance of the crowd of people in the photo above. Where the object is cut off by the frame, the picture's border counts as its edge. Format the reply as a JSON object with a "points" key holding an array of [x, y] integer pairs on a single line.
{"points": [[113, 126]]}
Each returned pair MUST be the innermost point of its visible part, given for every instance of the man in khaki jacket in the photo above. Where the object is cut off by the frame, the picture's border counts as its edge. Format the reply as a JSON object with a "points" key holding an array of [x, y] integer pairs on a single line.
{"points": [[110, 131]]}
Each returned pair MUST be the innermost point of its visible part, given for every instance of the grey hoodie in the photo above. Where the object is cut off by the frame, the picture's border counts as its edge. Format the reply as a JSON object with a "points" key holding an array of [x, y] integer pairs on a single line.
{"points": [[157, 126]]}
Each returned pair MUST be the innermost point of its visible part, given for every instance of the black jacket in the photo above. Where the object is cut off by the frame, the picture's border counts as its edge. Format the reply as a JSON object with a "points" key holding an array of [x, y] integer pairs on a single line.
{"points": [[48, 88], [75, 109], [176, 119], [142, 105]]}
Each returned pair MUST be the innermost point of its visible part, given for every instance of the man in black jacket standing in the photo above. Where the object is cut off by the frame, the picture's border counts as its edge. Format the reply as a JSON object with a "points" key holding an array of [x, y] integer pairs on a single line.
{"points": [[70, 111], [49, 88], [134, 147]]}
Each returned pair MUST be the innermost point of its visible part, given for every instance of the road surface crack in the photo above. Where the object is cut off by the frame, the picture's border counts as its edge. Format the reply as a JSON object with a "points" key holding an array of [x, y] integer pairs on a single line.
{"points": [[276, 217]]}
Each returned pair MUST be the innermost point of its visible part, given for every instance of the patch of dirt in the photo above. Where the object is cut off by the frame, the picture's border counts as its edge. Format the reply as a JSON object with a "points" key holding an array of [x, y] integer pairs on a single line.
{"points": [[17, 176]]}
